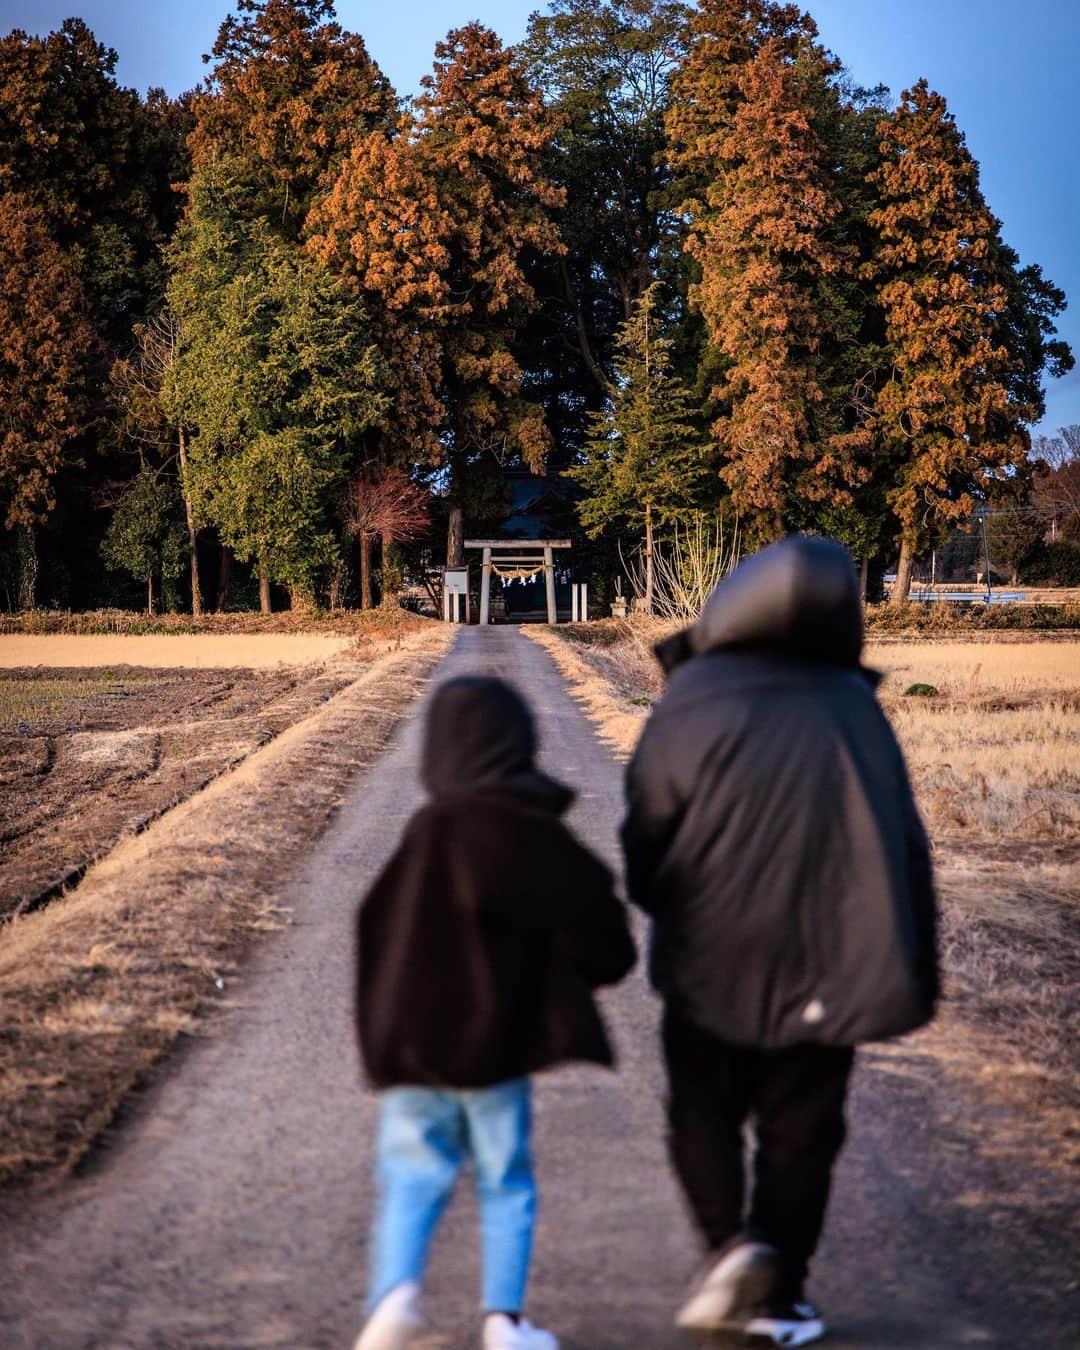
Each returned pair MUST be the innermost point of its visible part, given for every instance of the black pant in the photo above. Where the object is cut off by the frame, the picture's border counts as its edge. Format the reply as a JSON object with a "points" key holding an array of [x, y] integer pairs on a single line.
{"points": [[796, 1099]]}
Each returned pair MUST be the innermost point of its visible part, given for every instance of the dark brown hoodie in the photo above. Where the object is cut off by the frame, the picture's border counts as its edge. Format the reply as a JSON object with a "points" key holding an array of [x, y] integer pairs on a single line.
{"points": [[482, 940]]}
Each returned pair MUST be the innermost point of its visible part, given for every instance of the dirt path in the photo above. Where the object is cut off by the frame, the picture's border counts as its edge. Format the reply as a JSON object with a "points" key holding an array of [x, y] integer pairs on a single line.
{"points": [[230, 1210]]}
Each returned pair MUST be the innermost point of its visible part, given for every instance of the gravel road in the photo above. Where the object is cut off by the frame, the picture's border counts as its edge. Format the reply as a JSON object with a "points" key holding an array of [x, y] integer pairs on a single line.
{"points": [[230, 1207]]}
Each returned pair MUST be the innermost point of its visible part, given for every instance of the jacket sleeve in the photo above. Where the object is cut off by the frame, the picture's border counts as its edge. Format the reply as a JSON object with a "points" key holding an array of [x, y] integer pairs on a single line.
{"points": [[654, 809], [923, 898], [595, 934]]}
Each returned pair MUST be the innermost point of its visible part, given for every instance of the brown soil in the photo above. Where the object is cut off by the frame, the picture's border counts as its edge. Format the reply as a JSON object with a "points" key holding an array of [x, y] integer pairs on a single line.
{"points": [[88, 756], [98, 983]]}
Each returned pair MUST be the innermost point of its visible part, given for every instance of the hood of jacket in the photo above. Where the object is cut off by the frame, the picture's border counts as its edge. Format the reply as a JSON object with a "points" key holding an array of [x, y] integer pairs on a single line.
{"points": [[799, 597], [480, 735]]}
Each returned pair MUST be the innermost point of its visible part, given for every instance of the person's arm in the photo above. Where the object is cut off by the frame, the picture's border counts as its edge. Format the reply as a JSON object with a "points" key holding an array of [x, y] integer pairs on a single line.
{"points": [[654, 809], [594, 932], [922, 895]]}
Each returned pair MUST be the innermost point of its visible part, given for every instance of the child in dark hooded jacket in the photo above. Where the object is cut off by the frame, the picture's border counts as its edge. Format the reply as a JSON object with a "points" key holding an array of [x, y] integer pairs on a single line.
{"points": [[479, 948]]}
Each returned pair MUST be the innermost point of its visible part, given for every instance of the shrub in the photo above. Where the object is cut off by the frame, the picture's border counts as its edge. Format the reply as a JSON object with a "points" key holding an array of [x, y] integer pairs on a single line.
{"points": [[1053, 564]]}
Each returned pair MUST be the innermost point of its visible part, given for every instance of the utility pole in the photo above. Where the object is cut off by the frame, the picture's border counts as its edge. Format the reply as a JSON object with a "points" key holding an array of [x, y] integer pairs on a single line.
{"points": [[986, 550]]}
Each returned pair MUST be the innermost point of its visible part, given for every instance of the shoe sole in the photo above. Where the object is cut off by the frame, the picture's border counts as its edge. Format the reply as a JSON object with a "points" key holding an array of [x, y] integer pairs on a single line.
{"points": [[784, 1334], [737, 1284]]}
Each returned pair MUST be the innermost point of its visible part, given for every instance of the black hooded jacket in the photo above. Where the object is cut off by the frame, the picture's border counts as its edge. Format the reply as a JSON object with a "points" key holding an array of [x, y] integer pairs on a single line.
{"points": [[771, 831], [482, 940]]}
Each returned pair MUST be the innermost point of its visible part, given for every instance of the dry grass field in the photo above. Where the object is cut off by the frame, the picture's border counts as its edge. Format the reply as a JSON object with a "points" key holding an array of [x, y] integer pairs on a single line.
{"points": [[994, 755], [185, 796]]}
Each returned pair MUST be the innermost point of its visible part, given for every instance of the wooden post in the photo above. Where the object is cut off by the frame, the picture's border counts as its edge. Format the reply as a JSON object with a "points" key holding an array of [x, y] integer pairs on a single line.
{"points": [[485, 589], [549, 579], [583, 603], [573, 602]]}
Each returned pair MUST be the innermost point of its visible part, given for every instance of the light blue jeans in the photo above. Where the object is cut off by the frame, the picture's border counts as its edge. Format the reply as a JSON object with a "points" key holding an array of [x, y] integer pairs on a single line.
{"points": [[425, 1136]]}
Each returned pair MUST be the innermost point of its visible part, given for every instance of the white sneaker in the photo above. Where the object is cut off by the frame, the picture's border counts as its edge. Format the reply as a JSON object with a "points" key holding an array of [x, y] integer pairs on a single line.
{"points": [[787, 1324], [502, 1333], [740, 1281], [395, 1321]]}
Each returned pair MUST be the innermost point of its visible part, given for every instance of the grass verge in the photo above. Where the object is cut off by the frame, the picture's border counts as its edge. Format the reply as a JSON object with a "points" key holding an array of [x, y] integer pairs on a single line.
{"points": [[97, 986]]}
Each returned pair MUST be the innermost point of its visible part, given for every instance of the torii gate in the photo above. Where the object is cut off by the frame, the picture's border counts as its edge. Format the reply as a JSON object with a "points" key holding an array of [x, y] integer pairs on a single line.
{"points": [[520, 555]]}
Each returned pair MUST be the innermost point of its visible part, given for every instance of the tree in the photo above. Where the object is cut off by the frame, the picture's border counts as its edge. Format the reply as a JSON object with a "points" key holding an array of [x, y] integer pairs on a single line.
{"points": [[947, 418], [144, 536], [47, 351], [276, 374], [1057, 481], [435, 226], [95, 160], [140, 380], [382, 503], [762, 211], [289, 94], [605, 69], [1013, 530], [647, 462]]}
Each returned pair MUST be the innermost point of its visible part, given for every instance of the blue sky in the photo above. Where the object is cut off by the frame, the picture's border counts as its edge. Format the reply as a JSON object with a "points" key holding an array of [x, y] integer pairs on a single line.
{"points": [[1007, 67]]}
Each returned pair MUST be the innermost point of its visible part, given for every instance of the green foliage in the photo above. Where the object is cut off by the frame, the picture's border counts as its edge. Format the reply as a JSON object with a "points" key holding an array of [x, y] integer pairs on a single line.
{"points": [[145, 537], [276, 374], [1055, 564], [646, 455], [96, 160], [942, 618]]}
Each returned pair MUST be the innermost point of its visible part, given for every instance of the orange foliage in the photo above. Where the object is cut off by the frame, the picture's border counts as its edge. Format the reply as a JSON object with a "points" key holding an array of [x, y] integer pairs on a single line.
{"points": [[945, 414], [760, 212], [433, 224], [290, 94], [47, 344]]}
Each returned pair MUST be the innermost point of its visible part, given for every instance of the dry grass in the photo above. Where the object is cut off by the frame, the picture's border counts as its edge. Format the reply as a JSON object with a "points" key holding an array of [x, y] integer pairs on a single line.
{"points": [[383, 622], [194, 651], [984, 669], [95, 987], [995, 761]]}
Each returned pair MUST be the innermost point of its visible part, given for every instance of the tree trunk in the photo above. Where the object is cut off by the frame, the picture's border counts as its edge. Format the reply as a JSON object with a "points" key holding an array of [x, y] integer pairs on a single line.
{"points": [[455, 537], [649, 570], [189, 514], [265, 606], [150, 594], [864, 577], [390, 572], [28, 566], [902, 585], [224, 580], [367, 600]]}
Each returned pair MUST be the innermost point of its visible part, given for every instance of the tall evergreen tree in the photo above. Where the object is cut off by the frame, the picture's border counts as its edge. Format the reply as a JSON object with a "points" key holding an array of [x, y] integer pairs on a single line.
{"points": [[647, 462], [950, 419], [435, 226], [763, 214], [276, 374], [95, 160], [605, 69], [289, 94], [48, 350]]}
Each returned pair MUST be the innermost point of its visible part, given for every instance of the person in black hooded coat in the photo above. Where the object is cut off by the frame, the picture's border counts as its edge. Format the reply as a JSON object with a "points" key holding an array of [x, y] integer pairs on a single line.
{"points": [[479, 947], [772, 837]]}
